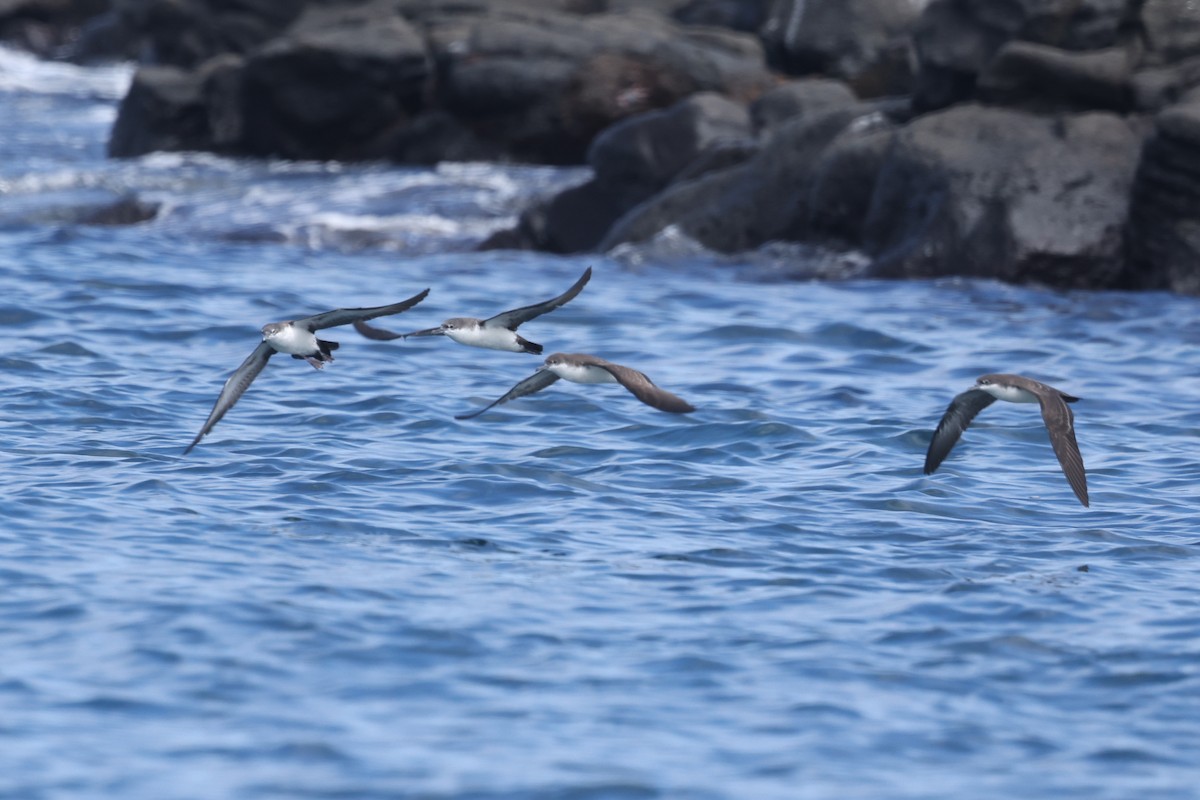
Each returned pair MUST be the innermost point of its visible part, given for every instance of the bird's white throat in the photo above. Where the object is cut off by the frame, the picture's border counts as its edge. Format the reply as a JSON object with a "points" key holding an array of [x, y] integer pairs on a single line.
{"points": [[1011, 394]]}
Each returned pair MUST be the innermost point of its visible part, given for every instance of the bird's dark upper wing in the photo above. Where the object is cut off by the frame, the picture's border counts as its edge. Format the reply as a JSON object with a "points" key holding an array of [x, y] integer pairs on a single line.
{"points": [[534, 383], [344, 316], [644, 389], [378, 334], [1060, 424], [514, 318], [958, 416], [235, 385]]}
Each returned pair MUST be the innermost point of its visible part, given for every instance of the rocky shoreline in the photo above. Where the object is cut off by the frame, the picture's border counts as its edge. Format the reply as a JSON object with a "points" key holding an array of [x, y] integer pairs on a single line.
{"points": [[1030, 141]]}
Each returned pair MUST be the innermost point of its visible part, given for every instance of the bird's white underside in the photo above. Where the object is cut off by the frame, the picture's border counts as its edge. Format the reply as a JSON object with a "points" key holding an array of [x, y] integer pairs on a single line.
{"points": [[293, 341], [1011, 394], [491, 338], [582, 373]]}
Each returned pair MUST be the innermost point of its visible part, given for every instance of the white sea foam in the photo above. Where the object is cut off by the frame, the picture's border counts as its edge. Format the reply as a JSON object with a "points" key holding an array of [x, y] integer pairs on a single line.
{"points": [[21, 71]]}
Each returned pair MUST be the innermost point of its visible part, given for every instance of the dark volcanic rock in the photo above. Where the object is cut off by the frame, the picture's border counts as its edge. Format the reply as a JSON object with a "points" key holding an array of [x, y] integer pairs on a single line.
{"points": [[334, 85], [1171, 28], [654, 147], [543, 87], [126, 210], [1039, 77], [163, 110], [634, 159], [955, 40], [986, 192], [1164, 225], [1005, 194], [47, 27], [422, 82], [1155, 88], [769, 197], [187, 33], [805, 97], [740, 15], [862, 42]]}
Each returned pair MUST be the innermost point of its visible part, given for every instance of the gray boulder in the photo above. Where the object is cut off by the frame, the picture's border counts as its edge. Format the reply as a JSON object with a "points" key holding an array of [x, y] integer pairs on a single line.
{"points": [[1164, 223], [1005, 194], [419, 82], [1171, 29], [862, 42], [544, 86], [740, 15], [769, 197], [799, 98], [335, 85], [1155, 88], [187, 33], [955, 40], [1038, 77], [47, 27], [163, 110], [634, 159]]}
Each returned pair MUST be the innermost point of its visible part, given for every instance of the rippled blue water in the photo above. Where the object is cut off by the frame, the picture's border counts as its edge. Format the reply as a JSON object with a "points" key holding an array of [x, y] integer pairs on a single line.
{"points": [[345, 592]]}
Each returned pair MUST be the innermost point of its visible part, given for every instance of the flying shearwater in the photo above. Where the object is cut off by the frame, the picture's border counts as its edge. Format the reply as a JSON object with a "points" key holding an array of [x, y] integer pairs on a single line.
{"points": [[1060, 422], [296, 338], [495, 333], [581, 368]]}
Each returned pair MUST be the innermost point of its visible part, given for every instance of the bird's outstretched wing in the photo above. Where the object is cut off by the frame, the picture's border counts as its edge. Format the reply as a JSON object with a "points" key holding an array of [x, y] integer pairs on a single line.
{"points": [[514, 318], [1060, 424], [378, 334], [344, 316], [534, 383], [644, 389], [962, 409], [235, 386]]}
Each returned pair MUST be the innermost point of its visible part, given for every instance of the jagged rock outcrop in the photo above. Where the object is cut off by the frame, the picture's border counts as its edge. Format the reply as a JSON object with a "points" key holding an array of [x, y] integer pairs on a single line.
{"points": [[1164, 225], [772, 196], [47, 27], [956, 40], [1010, 152], [631, 161], [1005, 194], [862, 42], [505, 81]]}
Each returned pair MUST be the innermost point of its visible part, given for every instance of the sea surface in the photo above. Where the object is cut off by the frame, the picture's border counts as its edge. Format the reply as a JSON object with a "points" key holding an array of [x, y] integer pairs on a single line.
{"points": [[344, 592]]}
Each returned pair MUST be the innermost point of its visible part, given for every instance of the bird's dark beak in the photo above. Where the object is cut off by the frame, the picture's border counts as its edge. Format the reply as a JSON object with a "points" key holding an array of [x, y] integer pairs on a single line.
{"points": [[438, 331]]}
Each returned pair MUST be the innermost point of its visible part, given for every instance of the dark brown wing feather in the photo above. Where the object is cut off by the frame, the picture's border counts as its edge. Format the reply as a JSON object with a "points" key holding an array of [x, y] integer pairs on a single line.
{"points": [[235, 385], [344, 316], [534, 383], [962, 409], [514, 318], [378, 334], [1060, 424], [644, 389]]}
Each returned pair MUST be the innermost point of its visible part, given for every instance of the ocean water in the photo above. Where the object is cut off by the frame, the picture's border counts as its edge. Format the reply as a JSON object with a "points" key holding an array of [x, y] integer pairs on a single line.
{"points": [[344, 592]]}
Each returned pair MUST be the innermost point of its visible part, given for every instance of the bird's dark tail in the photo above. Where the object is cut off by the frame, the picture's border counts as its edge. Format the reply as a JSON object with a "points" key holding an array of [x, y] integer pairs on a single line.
{"points": [[1068, 397], [327, 349], [530, 347]]}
